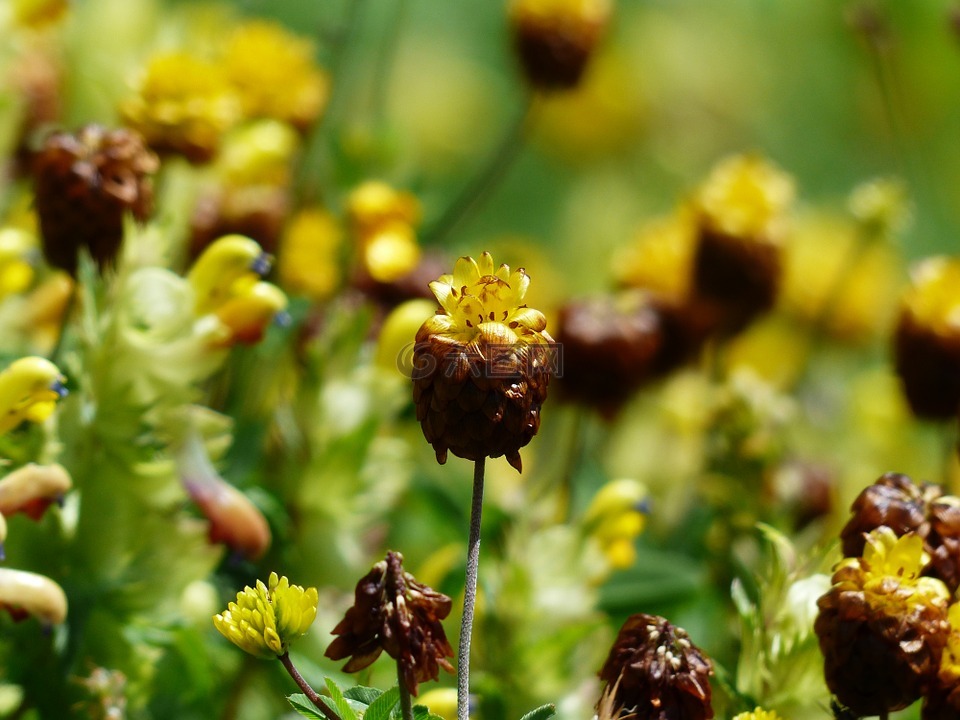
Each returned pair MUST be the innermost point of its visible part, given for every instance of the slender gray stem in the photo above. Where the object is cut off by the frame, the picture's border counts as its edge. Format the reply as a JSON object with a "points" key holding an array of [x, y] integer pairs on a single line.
{"points": [[469, 594], [305, 686], [406, 704]]}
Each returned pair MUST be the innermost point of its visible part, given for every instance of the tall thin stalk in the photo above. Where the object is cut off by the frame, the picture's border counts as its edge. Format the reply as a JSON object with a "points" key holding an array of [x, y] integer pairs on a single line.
{"points": [[469, 594]]}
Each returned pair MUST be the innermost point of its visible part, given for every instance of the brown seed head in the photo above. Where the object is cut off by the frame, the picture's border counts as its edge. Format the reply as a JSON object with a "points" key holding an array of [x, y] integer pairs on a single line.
{"points": [[85, 183], [394, 612], [654, 672]]}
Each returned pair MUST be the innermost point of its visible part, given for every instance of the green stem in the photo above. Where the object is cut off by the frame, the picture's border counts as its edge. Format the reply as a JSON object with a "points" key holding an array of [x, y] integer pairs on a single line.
{"points": [[486, 179], [388, 49], [469, 594], [406, 704], [305, 687]]}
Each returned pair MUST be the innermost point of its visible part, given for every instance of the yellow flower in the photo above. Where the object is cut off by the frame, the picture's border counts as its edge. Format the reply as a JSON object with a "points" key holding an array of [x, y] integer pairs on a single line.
{"points": [[758, 714], [615, 518], [482, 302], [889, 576], [660, 257], [746, 197], [26, 593], [308, 258], [29, 390], [391, 253], [373, 205], [258, 153], [950, 660], [229, 267], [247, 315], [266, 619], [32, 488], [274, 74], [933, 298], [184, 104], [16, 270]]}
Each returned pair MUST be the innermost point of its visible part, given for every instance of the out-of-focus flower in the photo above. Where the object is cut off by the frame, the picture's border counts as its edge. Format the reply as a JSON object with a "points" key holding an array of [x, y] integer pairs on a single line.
{"points": [[258, 153], [274, 74], [942, 701], [308, 259], [850, 293], [29, 390], [234, 520], [38, 13], [441, 702], [394, 612], [614, 345], [25, 593], [265, 620], [926, 342], [86, 182], [255, 211], [374, 204], [227, 269], [882, 626], [757, 714], [16, 268], [654, 672], [32, 488], [108, 694], [248, 315], [897, 502], [482, 364], [741, 212], [615, 518], [881, 206], [394, 344], [42, 319], [183, 105], [555, 39], [659, 258]]}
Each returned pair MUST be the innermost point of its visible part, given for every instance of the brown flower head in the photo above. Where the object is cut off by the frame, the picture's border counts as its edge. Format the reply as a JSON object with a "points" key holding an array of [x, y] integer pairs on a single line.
{"points": [[481, 364], [393, 612], [654, 672], [926, 342], [741, 213], [554, 39], [942, 701], [85, 183], [897, 502], [611, 346], [881, 626]]}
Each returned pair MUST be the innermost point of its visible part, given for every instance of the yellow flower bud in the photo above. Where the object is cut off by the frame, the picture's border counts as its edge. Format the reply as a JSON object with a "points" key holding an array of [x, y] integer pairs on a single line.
{"points": [[29, 390], [32, 488], [266, 619], [308, 257], [227, 268], [248, 315], [25, 593], [391, 252]]}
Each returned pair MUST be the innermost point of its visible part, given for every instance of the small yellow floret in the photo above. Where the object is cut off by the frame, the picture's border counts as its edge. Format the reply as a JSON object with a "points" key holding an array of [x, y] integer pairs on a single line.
{"points": [[746, 197], [758, 714], [375, 204], [308, 262], [29, 390], [660, 257], [933, 298]]}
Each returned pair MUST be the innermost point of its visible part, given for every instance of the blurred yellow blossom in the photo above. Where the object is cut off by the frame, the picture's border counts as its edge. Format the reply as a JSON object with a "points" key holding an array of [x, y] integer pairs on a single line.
{"points": [[38, 13], [17, 248], [274, 73], [615, 518], [758, 714], [258, 153], [29, 390], [308, 260], [25, 593], [183, 104], [660, 256], [374, 204]]}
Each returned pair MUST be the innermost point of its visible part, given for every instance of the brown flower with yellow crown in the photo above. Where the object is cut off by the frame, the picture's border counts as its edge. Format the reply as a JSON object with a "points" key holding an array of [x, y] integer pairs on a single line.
{"points": [[481, 364], [882, 627]]}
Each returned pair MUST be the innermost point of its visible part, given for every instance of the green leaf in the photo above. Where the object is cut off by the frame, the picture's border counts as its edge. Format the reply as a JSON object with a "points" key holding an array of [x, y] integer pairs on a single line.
{"points": [[301, 703], [541, 713], [383, 705], [339, 702], [422, 712], [363, 695]]}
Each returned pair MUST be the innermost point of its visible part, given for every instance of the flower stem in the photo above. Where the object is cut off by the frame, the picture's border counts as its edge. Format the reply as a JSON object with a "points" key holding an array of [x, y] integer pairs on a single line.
{"points": [[469, 594], [305, 686], [486, 179], [406, 705]]}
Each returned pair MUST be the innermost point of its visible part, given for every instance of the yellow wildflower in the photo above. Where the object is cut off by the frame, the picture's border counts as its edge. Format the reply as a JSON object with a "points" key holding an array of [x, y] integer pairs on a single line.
{"points": [[274, 74], [615, 518], [374, 205], [933, 298], [16, 269], [229, 267], [308, 258], [29, 390], [265, 620], [183, 105], [258, 153], [25, 593], [758, 714], [745, 197], [38, 13], [660, 257], [391, 253]]}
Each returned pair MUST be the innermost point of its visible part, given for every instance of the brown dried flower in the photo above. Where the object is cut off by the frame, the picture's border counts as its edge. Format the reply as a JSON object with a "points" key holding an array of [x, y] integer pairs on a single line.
{"points": [[394, 612], [85, 183], [654, 672]]}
